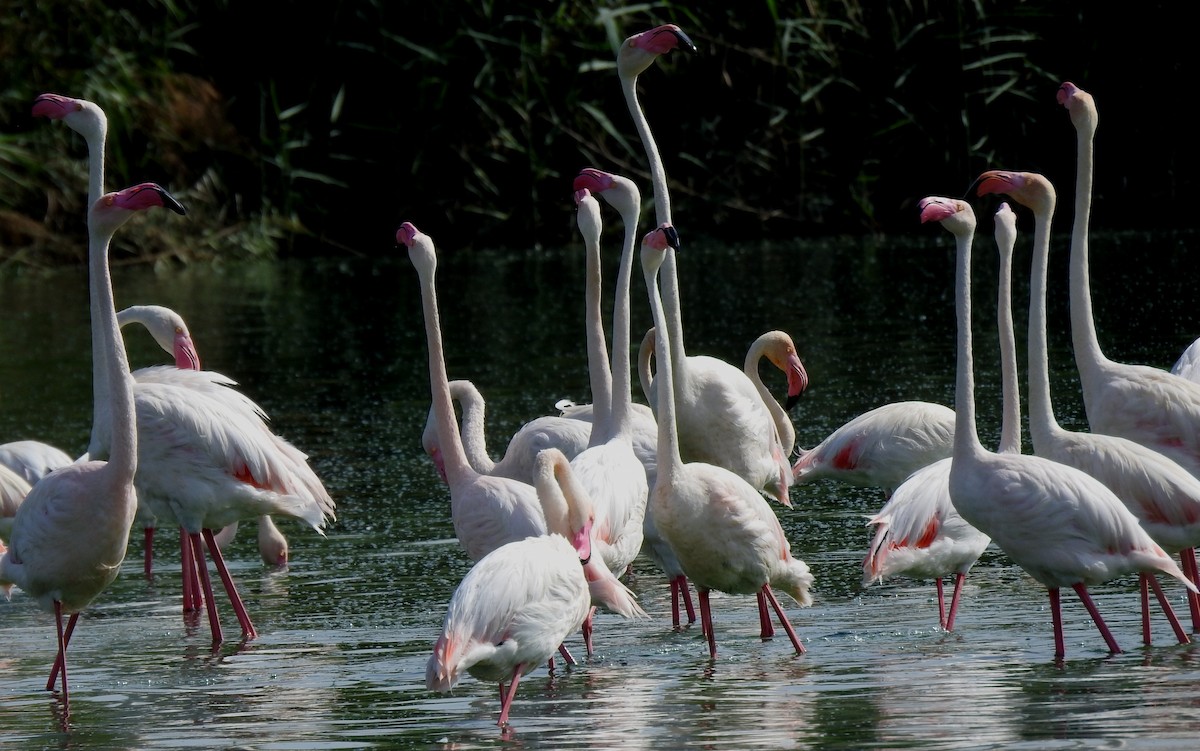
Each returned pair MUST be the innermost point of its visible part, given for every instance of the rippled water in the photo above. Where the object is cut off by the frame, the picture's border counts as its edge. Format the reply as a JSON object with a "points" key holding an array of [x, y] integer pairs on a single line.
{"points": [[335, 351]]}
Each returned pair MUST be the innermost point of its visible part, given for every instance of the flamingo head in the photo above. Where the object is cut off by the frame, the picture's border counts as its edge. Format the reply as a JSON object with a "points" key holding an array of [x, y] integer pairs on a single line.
{"points": [[80, 115], [407, 234], [420, 249], [1080, 105], [1006, 226], [186, 356], [782, 354], [639, 51], [1031, 190], [954, 214], [581, 534], [581, 194], [112, 210], [619, 192]]}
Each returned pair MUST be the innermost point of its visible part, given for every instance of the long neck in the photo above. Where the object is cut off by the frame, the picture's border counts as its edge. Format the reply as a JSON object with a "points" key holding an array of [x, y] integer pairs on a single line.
{"points": [[658, 175], [95, 143], [966, 435], [622, 375], [674, 323], [1083, 325], [116, 399], [783, 425], [670, 463], [599, 376], [1010, 419], [1042, 423], [453, 455]]}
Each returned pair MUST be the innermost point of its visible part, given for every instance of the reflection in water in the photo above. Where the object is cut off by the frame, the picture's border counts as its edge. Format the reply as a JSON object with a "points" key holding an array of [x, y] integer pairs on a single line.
{"points": [[335, 353]]}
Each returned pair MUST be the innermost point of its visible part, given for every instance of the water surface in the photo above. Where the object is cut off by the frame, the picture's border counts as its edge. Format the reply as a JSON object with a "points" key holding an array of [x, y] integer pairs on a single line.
{"points": [[335, 352]]}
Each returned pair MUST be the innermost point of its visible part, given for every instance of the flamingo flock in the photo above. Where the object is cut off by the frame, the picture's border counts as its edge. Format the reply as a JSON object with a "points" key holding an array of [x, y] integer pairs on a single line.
{"points": [[692, 481]]}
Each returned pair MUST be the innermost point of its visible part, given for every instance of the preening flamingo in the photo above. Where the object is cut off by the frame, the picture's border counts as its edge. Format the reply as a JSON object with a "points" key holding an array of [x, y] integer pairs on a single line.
{"points": [[1161, 494], [70, 535], [880, 447], [171, 333], [1139, 402], [519, 602], [722, 530], [13, 489], [1061, 525], [918, 532]]}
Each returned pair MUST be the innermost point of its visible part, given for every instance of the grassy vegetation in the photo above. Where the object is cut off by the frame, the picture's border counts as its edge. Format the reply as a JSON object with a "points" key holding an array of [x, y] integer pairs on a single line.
{"points": [[296, 127]]}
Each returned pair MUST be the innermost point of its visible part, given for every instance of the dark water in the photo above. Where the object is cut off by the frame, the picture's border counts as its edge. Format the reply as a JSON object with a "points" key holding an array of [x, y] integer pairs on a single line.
{"points": [[335, 352]]}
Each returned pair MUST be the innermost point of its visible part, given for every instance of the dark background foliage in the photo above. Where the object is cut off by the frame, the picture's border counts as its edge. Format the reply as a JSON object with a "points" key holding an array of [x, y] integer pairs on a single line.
{"points": [[300, 127]]}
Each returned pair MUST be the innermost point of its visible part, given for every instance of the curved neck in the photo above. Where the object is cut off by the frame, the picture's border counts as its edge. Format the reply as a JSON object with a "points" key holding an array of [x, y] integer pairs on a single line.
{"points": [[1010, 419], [114, 397], [1083, 325], [645, 356], [454, 456], [1041, 409], [670, 463], [599, 377], [472, 432], [966, 435], [784, 430], [658, 175]]}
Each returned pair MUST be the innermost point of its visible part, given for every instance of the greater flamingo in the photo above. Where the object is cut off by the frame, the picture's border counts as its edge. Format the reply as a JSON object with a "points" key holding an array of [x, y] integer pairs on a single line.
{"points": [[724, 533], [1161, 494], [13, 489], [918, 532], [880, 447], [71, 533], [487, 511], [1139, 402], [171, 333], [518, 603], [1060, 524], [216, 438]]}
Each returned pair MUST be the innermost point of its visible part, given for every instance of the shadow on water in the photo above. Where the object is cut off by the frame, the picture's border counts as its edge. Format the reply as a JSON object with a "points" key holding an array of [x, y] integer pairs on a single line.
{"points": [[335, 352]]}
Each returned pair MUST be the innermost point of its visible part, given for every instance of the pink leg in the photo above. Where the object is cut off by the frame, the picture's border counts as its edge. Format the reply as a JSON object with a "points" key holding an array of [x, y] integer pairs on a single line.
{"points": [[193, 597], [566, 655], [783, 620], [706, 624], [1188, 557], [239, 608], [767, 630], [675, 603], [148, 556], [1060, 650], [959, 580], [506, 697], [1144, 591], [1168, 611], [941, 603], [1081, 590], [214, 623], [587, 629], [687, 598], [58, 659], [62, 654]]}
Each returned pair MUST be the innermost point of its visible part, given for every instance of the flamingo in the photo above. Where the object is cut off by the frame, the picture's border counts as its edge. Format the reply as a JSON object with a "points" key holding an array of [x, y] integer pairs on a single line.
{"points": [[880, 447], [520, 601], [1139, 402], [487, 511], [568, 435], [1161, 494], [722, 530], [918, 532], [1060, 524], [70, 535], [212, 437], [13, 489], [171, 333], [32, 460]]}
